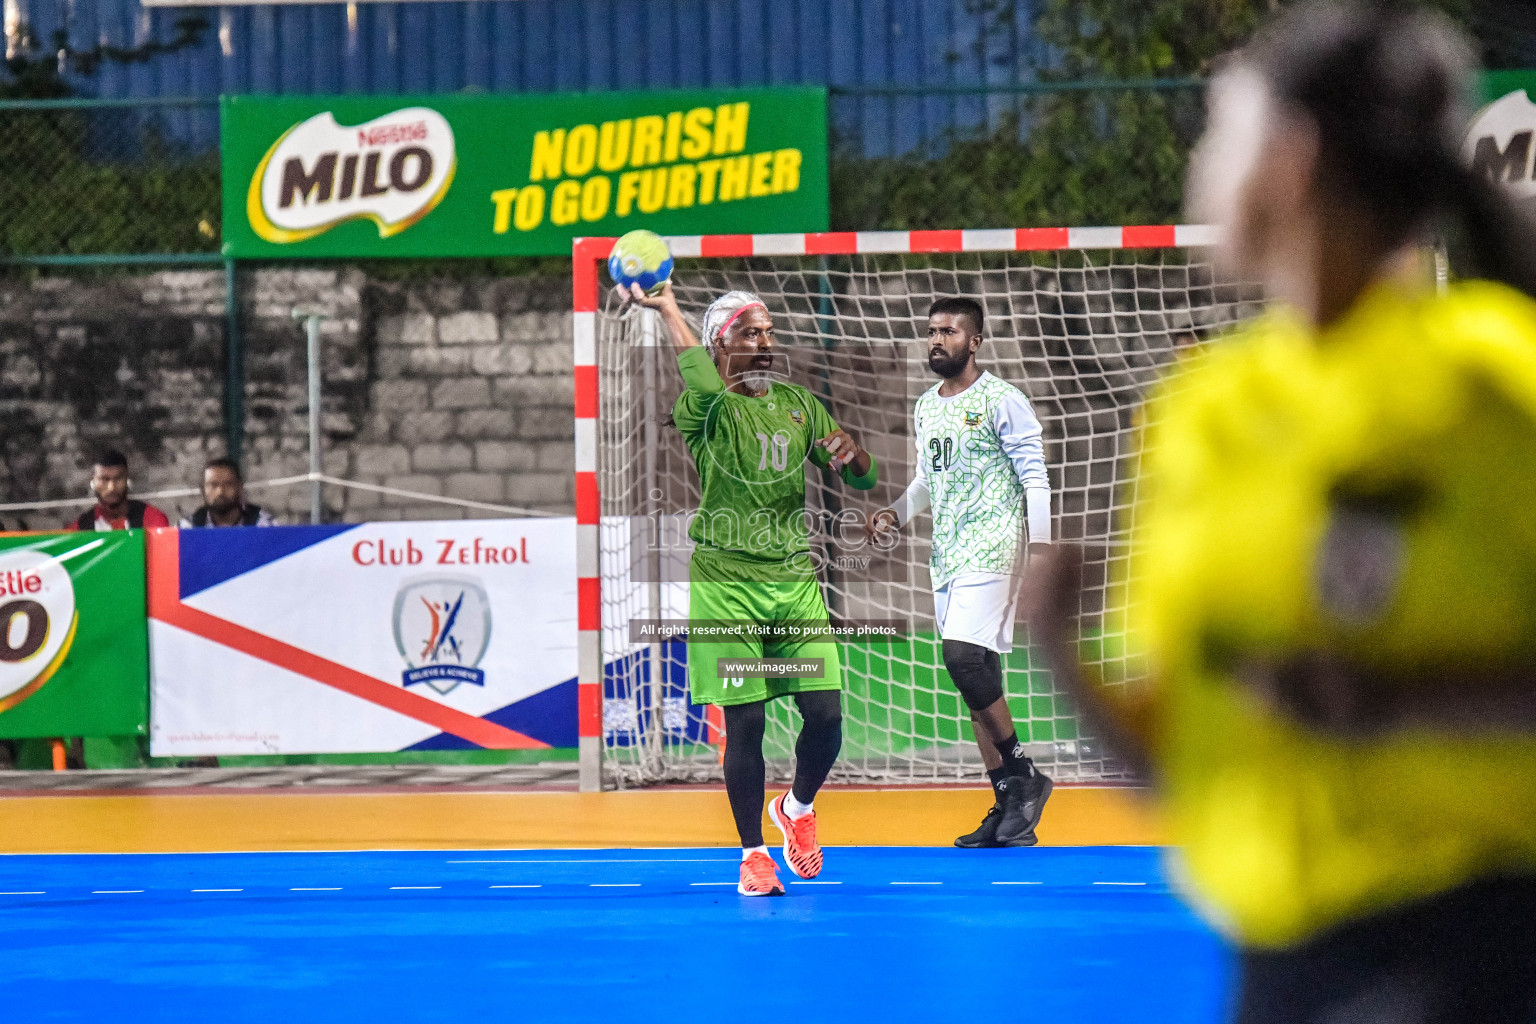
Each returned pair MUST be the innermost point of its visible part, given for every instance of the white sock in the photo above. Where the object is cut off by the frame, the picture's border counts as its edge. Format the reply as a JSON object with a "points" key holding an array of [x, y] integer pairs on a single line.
{"points": [[794, 808], [747, 851]]}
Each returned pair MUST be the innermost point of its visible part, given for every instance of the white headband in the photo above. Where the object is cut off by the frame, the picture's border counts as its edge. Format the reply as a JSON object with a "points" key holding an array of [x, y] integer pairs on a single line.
{"points": [[722, 310]]}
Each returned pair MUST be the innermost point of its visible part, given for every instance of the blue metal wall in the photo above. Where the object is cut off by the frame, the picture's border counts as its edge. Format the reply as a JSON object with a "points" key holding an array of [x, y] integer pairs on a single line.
{"points": [[549, 45]]}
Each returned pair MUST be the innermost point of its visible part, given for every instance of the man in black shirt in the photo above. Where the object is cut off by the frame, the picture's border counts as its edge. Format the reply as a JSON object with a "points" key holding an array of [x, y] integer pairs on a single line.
{"points": [[224, 501]]}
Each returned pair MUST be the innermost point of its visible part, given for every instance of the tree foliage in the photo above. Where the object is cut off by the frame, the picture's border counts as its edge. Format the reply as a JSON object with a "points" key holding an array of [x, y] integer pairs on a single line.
{"points": [[1110, 156], [112, 180]]}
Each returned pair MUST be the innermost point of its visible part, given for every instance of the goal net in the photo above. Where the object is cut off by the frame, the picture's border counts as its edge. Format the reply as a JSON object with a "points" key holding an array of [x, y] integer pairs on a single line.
{"points": [[1082, 324]]}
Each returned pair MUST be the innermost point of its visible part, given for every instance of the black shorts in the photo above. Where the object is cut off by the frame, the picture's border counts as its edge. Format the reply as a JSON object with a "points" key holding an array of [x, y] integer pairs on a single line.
{"points": [[1468, 955]]}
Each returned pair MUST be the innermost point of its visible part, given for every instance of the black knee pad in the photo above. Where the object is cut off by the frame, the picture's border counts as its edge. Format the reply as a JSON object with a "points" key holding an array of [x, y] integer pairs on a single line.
{"points": [[977, 672]]}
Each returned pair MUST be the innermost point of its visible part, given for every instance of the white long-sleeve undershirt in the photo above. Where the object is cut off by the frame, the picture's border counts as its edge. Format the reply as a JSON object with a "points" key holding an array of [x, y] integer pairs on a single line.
{"points": [[1022, 439]]}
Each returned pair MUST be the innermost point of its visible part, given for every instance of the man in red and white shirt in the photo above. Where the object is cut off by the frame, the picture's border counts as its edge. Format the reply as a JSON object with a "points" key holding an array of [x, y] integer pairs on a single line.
{"points": [[114, 509]]}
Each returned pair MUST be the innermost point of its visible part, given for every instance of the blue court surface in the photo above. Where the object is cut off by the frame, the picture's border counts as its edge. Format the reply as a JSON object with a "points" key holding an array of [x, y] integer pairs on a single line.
{"points": [[1087, 935]]}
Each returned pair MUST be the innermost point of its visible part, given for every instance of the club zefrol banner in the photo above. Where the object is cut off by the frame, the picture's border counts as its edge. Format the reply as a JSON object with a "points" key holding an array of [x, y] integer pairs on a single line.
{"points": [[369, 638], [73, 660]]}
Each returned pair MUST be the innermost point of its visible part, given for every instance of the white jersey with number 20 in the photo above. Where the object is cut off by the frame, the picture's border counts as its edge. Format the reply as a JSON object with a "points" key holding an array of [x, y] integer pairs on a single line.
{"points": [[978, 454]]}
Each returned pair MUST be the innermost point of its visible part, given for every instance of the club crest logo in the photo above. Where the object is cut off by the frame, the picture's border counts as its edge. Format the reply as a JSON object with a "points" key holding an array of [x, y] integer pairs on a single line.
{"points": [[796, 416], [393, 170], [973, 419], [37, 622], [442, 629]]}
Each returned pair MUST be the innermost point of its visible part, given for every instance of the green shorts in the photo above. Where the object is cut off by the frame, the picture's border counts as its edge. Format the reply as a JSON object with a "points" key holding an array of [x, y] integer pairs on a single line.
{"points": [[716, 601]]}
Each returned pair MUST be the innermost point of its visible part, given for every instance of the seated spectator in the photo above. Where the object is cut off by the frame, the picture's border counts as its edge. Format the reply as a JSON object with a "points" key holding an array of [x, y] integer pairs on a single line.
{"points": [[114, 509], [224, 501]]}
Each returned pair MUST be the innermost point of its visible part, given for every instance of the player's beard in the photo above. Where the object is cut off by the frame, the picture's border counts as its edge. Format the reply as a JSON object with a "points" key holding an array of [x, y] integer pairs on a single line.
{"points": [[756, 378], [945, 365], [756, 382]]}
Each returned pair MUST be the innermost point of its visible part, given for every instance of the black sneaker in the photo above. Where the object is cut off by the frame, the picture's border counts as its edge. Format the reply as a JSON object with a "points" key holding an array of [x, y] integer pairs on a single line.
{"points": [[1027, 839], [985, 836], [1023, 800]]}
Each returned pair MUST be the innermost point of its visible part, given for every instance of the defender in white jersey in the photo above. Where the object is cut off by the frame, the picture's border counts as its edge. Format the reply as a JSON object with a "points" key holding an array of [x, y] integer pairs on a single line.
{"points": [[981, 469]]}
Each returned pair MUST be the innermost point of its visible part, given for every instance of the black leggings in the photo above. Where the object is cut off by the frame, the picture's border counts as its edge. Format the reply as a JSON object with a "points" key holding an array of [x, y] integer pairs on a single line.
{"points": [[821, 737]]}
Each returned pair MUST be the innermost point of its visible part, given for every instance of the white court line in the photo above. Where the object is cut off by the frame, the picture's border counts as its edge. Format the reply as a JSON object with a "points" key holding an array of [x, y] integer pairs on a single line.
{"points": [[38, 892], [517, 887], [917, 883], [316, 888], [1018, 883], [614, 885], [807, 881], [712, 883], [394, 887], [1119, 883], [658, 860], [218, 890], [112, 892]]}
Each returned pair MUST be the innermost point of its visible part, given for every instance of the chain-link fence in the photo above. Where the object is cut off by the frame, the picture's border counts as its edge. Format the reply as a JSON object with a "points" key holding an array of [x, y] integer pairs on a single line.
{"points": [[1028, 155], [106, 177], [89, 178]]}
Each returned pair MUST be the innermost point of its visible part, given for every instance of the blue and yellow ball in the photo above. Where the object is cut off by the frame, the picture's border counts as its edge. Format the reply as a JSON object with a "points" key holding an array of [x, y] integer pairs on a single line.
{"points": [[640, 257]]}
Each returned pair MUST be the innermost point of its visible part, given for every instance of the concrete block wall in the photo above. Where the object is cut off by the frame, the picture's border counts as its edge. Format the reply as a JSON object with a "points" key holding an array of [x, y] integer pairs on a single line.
{"points": [[460, 388], [133, 362], [472, 395]]}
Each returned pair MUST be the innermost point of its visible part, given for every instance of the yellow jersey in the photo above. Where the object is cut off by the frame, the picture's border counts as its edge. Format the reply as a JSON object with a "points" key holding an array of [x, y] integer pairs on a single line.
{"points": [[1371, 490]]}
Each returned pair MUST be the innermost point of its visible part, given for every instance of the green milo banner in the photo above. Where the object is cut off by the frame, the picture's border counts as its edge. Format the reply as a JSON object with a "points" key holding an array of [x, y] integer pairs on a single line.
{"points": [[1499, 142], [74, 654], [430, 176]]}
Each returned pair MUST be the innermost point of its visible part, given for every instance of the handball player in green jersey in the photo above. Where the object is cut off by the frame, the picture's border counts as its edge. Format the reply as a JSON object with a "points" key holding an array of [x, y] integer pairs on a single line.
{"points": [[752, 581]]}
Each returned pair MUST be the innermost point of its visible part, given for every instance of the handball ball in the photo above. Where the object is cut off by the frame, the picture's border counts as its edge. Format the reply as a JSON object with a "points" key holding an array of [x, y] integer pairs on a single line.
{"points": [[640, 257]]}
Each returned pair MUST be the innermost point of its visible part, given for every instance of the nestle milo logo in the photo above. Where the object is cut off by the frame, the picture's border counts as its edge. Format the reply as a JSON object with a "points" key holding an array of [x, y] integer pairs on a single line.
{"points": [[392, 170], [1499, 143]]}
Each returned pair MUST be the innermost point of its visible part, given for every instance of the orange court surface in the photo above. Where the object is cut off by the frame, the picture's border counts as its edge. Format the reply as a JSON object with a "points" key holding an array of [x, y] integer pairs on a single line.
{"points": [[203, 820]]}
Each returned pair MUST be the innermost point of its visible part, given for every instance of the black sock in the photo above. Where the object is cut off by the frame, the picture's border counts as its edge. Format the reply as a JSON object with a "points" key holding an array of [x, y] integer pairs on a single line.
{"points": [[997, 775], [1014, 761]]}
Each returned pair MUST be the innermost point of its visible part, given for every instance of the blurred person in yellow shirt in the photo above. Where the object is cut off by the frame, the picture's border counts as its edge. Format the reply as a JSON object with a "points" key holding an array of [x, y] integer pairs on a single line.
{"points": [[1332, 579]]}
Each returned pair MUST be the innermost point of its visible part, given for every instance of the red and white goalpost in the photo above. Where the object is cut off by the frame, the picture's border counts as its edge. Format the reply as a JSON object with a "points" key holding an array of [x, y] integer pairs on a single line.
{"points": [[1082, 319]]}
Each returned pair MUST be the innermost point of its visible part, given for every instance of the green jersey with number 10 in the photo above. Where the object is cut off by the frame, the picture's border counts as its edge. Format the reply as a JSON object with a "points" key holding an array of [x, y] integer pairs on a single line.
{"points": [[751, 453]]}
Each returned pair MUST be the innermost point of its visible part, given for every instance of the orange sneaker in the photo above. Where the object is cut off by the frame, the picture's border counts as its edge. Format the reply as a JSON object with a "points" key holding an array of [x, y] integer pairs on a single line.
{"points": [[801, 850], [759, 876]]}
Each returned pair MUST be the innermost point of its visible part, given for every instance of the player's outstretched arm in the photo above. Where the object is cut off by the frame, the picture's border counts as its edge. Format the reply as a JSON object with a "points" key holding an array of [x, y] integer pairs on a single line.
{"points": [[884, 524], [888, 521], [842, 451], [700, 376], [838, 450], [665, 303]]}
